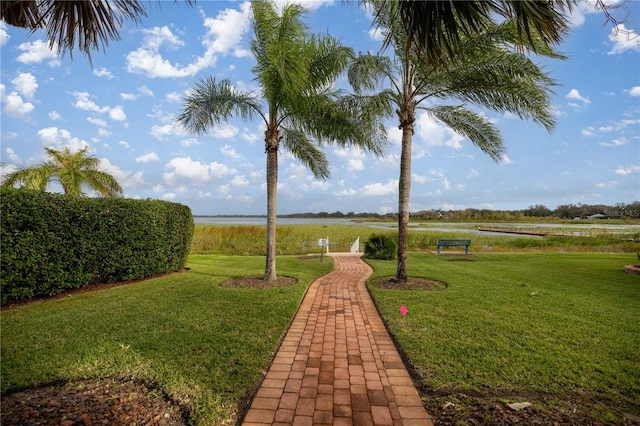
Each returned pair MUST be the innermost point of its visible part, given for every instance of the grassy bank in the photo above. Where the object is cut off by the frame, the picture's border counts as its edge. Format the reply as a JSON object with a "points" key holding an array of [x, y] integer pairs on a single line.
{"points": [[203, 344], [522, 324], [303, 239]]}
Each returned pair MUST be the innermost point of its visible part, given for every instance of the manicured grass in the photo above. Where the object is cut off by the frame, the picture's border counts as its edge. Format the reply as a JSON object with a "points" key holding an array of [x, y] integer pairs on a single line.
{"points": [[550, 323], [203, 344]]}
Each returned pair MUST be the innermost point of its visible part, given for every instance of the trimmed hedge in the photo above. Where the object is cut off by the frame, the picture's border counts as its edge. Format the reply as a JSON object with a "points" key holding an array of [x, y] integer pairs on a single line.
{"points": [[53, 242]]}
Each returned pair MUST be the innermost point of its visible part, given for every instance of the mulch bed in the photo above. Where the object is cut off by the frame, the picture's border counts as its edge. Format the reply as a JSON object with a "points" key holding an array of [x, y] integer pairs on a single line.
{"points": [[97, 402], [412, 284]]}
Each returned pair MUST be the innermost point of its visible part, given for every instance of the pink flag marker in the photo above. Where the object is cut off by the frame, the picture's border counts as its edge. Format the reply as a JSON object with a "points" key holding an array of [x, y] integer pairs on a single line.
{"points": [[403, 310]]}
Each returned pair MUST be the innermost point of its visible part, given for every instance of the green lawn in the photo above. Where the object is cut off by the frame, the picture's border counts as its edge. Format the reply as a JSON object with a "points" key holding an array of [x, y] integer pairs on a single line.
{"points": [[550, 323], [203, 344]]}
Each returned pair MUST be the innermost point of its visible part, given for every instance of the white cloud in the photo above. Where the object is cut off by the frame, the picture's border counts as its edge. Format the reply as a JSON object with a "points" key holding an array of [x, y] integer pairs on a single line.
{"points": [[124, 144], [152, 156], [117, 114], [54, 115], [36, 52], [189, 142], [53, 136], [26, 84], [225, 131], [623, 39], [145, 91], [635, 91], [225, 31], [13, 103], [372, 189], [230, 152], [169, 196], [575, 94], [172, 129], [126, 178], [184, 169], [224, 34], [128, 96], [84, 103], [376, 34], [629, 169], [13, 157], [103, 72], [239, 181], [4, 36], [174, 97], [615, 142], [435, 134], [504, 159], [97, 121]]}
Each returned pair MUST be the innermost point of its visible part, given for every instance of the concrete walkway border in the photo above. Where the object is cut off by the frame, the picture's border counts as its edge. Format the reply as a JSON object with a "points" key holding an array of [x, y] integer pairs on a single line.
{"points": [[337, 364]]}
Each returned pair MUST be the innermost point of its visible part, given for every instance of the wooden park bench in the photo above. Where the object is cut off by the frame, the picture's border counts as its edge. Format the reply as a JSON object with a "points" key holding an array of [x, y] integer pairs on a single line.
{"points": [[454, 243]]}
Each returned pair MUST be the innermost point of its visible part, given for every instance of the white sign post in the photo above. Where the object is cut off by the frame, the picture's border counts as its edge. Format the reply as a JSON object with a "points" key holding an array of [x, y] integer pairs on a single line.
{"points": [[323, 242]]}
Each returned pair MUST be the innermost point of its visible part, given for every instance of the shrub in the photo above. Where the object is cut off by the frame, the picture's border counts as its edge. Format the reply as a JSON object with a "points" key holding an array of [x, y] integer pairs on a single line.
{"points": [[381, 247], [53, 242]]}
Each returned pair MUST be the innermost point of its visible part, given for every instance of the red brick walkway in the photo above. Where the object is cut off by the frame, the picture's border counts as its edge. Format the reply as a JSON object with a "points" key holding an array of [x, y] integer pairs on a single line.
{"points": [[337, 364]]}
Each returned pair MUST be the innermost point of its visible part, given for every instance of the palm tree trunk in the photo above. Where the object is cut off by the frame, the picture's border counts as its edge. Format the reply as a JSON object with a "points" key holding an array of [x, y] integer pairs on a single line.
{"points": [[404, 190], [272, 185]]}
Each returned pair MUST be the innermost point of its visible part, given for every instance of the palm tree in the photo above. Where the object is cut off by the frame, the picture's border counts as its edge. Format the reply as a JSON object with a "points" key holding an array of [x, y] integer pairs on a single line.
{"points": [[487, 73], [298, 105], [71, 170]]}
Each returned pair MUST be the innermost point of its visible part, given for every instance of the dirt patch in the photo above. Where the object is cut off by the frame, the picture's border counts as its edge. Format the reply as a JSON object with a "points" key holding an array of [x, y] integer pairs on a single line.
{"points": [[413, 283], [462, 409], [259, 283], [98, 402]]}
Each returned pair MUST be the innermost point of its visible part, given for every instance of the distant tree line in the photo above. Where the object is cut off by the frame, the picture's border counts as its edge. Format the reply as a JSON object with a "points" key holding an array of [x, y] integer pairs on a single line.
{"points": [[565, 211]]}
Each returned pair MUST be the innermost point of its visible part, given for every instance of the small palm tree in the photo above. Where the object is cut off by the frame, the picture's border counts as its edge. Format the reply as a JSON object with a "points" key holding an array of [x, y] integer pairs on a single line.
{"points": [[298, 104], [71, 170], [487, 73]]}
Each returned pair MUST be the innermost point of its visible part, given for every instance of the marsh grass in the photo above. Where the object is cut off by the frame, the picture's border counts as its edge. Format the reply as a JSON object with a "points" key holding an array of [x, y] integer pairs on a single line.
{"points": [[303, 239], [521, 323], [204, 345]]}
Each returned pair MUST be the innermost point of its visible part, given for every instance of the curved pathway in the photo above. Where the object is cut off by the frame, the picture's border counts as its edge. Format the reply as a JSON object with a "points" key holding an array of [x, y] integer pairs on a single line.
{"points": [[337, 364]]}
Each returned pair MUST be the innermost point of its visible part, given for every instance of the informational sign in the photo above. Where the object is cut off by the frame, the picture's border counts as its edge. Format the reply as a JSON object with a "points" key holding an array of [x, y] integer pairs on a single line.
{"points": [[323, 242]]}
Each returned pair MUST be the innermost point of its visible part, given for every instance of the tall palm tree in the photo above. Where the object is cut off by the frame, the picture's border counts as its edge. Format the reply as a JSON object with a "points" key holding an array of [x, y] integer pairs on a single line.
{"points": [[488, 72], [298, 104], [71, 170]]}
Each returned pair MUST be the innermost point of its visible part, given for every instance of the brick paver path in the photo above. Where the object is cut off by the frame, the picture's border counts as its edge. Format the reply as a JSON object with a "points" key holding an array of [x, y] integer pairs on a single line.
{"points": [[337, 364]]}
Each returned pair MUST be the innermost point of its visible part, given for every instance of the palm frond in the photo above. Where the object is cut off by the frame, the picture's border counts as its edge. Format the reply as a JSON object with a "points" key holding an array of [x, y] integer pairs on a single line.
{"points": [[88, 24], [211, 102], [297, 143], [367, 72], [480, 131]]}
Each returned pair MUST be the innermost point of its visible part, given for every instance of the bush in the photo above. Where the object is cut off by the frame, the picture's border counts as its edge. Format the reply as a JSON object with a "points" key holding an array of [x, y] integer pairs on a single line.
{"points": [[381, 247], [53, 242]]}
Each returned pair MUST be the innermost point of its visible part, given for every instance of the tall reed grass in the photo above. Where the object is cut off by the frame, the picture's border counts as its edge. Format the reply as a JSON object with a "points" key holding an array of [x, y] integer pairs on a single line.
{"points": [[250, 240]]}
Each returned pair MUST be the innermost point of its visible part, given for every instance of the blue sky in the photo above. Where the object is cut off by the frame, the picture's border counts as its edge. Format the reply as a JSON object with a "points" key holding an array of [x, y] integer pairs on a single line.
{"points": [[124, 108]]}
